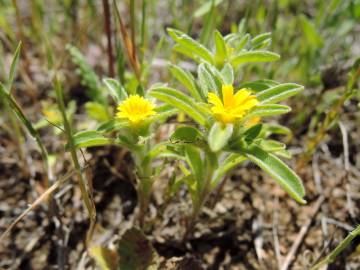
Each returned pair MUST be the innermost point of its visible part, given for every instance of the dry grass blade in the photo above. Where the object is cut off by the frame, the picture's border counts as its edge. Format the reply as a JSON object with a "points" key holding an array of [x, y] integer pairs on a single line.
{"points": [[107, 27], [130, 46], [38, 201]]}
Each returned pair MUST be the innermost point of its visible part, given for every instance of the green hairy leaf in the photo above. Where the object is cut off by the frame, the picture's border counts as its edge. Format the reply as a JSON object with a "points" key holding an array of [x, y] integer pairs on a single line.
{"points": [[220, 49], [229, 163], [116, 90], [227, 74], [207, 81], [187, 80], [268, 110], [254, 57], [90, 139], [271, 145], [242, 43], [190, 44], [259, 85], [193, 158], [252, 133], [261, 41], [279, 92], [179, 100], [112, 125], [186, 134], [279, 171], [219, 136]]}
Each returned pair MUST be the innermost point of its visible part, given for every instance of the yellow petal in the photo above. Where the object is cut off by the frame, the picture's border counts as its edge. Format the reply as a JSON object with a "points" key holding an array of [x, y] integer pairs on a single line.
{"points": [[250, 103], [215, 100], [241, 96], [226, 118], [228, 94], [135, 109]]}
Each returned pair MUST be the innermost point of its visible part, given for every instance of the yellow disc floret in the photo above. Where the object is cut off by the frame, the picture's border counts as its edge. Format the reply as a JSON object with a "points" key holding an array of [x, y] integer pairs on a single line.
{"points": [[233, 107], [135, 109]]}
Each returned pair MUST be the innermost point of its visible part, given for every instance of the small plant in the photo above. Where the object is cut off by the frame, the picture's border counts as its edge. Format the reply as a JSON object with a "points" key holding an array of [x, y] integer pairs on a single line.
{"points": [[228, 124], [133, 128]]}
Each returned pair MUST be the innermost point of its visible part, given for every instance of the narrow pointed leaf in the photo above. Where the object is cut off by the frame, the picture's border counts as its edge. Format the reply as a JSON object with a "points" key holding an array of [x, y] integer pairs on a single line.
{"points": [[279, 92], [178, 100], [190, 44], [90, 139], [227, 74], [268, 110], [261, 41], [229, 163], [259, 85], [279, 171], [187, 80], [13, 66], [220, 49], [193, 158], [207, 81], [254, 57], [252, 133], [116, 90]]}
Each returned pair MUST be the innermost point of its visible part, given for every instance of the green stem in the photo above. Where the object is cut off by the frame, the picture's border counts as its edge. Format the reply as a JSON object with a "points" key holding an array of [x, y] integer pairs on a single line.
{"points": [[144, 177], [204, 190], [332, 256], [86, 196]]}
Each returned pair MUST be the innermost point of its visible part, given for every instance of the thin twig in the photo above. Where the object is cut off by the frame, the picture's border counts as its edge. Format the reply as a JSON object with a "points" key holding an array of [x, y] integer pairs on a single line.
{"points": [[275, 224], [303, 231], [345, 141], [319, 189]]}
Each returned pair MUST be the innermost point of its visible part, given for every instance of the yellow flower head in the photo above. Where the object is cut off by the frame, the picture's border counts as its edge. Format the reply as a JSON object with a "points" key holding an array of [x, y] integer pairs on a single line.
{"points": [[135, 109], [233, 107], [51, 113]]}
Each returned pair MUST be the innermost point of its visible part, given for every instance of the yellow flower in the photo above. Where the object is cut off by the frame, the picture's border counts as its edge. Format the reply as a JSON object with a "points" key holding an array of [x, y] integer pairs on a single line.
{"points": [[135, 109], [233, 107], [51, 114]]}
